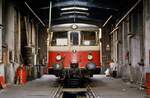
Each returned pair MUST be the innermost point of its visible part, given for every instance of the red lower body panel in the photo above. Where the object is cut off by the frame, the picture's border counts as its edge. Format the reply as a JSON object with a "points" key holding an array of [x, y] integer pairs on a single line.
{"points": [[80, 57]]}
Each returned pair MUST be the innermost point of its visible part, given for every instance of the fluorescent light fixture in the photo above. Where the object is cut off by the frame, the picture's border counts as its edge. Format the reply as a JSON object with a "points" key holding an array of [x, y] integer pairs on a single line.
{"points": [[74, 8], [74, 12]]}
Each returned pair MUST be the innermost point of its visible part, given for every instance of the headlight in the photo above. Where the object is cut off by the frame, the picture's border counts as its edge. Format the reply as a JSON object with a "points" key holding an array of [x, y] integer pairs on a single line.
{"points": [[58, 57], [90, 57]]}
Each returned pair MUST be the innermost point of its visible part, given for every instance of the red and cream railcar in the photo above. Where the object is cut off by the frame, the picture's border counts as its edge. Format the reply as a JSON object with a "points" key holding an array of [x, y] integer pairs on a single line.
{"points": [[74, 50]]}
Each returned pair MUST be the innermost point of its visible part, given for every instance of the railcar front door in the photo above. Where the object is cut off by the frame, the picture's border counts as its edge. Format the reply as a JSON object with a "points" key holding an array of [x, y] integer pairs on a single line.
{"points": [[74, 38], [74, 43]]}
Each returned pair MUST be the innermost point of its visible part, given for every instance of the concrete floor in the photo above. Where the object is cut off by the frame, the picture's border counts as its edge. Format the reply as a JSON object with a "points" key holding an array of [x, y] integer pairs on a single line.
{"points": [[39, 88], [107, 87], [44, 87]]}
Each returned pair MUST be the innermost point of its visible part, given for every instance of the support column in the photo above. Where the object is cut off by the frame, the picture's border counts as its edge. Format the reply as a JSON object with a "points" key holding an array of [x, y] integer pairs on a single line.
{"points": [[135, 51], [1, 65], [146, 6], [10, 29], [19, 38], [10, 40], [0, 31], [114, 44], [33, 40]]}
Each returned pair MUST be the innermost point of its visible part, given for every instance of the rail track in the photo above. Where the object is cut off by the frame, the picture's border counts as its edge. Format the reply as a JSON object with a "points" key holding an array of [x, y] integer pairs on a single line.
{"points": [[58, 92], [86, 92], [90, 92]]}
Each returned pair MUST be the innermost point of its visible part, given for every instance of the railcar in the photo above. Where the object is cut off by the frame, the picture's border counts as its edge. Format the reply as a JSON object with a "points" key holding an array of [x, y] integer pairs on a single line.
{"points": [[74, 50]]}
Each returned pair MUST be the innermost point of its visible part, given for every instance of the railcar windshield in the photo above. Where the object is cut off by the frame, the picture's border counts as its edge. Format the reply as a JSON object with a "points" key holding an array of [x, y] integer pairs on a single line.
{"points": [[88, 38], [59, 39], [74, 38]]}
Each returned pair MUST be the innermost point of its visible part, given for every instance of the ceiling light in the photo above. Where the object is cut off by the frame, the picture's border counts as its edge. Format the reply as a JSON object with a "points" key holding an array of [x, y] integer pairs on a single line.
{"points": [[74, 12], [74, 8]]}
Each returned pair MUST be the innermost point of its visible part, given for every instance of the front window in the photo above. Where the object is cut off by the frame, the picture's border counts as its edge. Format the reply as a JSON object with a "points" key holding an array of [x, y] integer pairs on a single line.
{"points": [[74, 38], [88, 38], [59, 39]]}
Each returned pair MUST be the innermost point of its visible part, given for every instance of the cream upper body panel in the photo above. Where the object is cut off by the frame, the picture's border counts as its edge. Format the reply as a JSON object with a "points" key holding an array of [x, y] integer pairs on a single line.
{"points": [[78, 48]]}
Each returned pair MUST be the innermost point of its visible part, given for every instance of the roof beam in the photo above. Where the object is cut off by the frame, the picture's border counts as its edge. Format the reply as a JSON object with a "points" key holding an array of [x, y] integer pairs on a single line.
{"points": [[85, 4], [78, 18]]}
